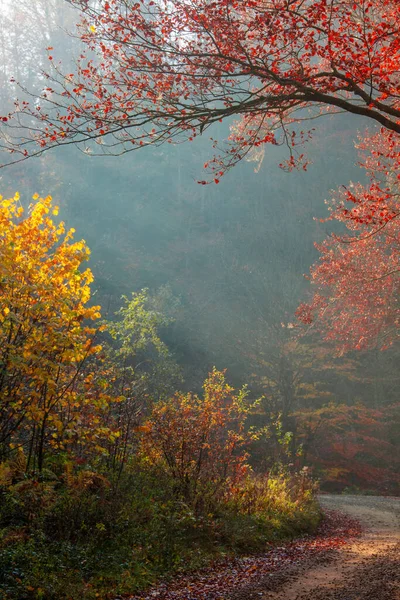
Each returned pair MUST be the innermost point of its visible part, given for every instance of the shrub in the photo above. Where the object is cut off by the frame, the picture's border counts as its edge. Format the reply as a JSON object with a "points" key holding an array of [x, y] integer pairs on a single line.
{"points": [[200, 442]]}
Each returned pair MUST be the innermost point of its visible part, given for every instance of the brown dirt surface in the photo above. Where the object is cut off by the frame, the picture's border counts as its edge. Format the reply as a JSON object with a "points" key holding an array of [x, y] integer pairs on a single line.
{"points": [[368, 568]]}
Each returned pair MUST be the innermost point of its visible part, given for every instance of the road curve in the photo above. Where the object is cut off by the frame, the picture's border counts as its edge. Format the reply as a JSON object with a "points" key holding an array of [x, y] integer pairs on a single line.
{"points": [[366, 569]]}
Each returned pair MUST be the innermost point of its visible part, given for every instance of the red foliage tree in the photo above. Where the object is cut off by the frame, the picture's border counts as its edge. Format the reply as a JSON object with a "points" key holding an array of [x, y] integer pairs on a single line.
{"points": [[157, 71], [355, 303]]}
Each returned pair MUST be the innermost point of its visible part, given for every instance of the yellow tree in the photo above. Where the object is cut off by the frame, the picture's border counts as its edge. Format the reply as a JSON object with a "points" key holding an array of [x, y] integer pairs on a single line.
{"points": [[46, 329]]}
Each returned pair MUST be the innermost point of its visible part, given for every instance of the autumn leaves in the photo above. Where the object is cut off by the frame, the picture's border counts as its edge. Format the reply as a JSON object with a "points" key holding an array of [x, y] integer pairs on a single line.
{"points": [[60, 391], [47, 331]]}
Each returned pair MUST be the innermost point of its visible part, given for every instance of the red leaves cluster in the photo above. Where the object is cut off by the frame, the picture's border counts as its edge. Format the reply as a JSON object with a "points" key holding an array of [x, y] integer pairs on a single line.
{"points": [[171, 69], [356, 280]]}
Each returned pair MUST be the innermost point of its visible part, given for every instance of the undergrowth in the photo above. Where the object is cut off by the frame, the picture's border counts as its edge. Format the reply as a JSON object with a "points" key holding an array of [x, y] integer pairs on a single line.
{"points": [[82, 536]]}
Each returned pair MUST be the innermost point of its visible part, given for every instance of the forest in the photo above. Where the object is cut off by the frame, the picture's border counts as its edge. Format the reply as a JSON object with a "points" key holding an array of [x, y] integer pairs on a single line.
{"points": [[198, 340]]}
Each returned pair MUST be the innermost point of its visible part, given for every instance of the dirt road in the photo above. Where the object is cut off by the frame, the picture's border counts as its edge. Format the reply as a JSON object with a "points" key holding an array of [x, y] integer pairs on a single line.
{"points": [[366, 569]]}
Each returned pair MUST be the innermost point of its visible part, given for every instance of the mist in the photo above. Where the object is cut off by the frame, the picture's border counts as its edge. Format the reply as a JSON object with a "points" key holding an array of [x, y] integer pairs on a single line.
{"points": [[233, 255]]}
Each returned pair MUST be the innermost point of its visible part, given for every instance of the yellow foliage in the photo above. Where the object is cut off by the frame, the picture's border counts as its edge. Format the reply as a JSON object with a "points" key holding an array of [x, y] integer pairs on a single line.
{"points": [[45, 337], [5, 475]]}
